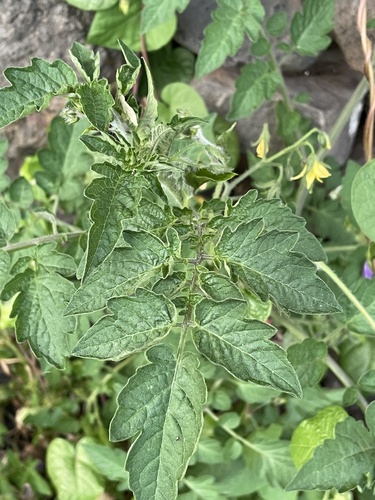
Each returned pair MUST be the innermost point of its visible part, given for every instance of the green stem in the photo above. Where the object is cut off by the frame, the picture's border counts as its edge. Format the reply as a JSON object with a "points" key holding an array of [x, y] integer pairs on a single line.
{"points": [[342, 248], [353, 299], [12, 247], [264, 162], [233, 434], [333, 366], [346, 381]]}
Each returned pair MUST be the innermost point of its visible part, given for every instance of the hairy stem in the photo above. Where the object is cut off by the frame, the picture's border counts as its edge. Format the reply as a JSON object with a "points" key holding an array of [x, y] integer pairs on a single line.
{"points": [[20, 245]]}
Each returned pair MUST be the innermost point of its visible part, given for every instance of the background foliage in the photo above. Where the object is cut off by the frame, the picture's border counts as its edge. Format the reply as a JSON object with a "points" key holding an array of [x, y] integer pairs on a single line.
{"points": [[171, 322]]}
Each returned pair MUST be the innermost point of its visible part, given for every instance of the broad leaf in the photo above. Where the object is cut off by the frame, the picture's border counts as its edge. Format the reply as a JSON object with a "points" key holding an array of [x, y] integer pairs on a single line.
{"points": [[269, 267], [218, 287], [111, 25], [92, 4], [21, 192], [64, 160], [38, 309], [4, 268], [309, 29], [71, 472], [242, 346], [274, 215], [8, 223], [33, 87], [342, 463], [133, 324], [307, 359], [363, 204], [108, 461], [313, 431], [87, 63], [127, 74], [163, 402], [125, 270], [180, 96], [225, 35], [150, 217], [202, 488], [154, 14], [97, 103], [116, 196], [256, 83]]}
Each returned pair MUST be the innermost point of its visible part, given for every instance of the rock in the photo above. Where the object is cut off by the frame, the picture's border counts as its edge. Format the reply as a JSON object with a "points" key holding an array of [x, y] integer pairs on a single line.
{"points": [[346, 32], [330, 83]]}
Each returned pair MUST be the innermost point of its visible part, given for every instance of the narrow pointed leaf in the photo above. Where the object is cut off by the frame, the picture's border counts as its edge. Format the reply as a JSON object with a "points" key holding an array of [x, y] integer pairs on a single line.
{"points": [[163, 401], [116, 196], [128, 73], [4, 268], [267, 264], [134, 323], [256, 83], [33, 87], [274, 215], [150, 114], [38, 309], [242, 346], [87, 63], [225, 35], [125, 270], [342, 463], [97, 103], [309, 29]]}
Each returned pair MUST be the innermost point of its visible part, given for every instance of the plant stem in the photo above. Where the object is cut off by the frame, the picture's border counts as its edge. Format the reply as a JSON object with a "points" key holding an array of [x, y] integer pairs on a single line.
{"points": [[342, 248], [353, 299], [346, 381], [333, 366], [233, 434], [12, 247]]}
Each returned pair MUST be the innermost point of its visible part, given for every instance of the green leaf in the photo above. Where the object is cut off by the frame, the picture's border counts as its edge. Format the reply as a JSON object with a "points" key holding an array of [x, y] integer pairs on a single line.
{"points": [[370, 417], [307, 359], [33, 87], [111, 25], [150, 217], [218, 287], [276, 24], [268, 266], [256, 83], [21, 192], [154, 14], [344, 462], [363, 204], [116, 196], [92, 4], [269, 459], [274, 215], [86, 62], [38, 309], [97, 103], [203, 488], [4, 268], [133, 324], [241, 346], [8, 223], [311, 433], [163, 402], [180, 97], [64, 160], [150, 114], [71, 472], [366, 383], [144, 257], [364, 290], [127, 74], [309, 28], [108, 461], [225, 35]]}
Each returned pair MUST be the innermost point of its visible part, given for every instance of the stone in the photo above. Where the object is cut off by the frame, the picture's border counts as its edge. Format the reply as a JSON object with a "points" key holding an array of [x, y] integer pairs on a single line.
{"points": [[346, 32]]}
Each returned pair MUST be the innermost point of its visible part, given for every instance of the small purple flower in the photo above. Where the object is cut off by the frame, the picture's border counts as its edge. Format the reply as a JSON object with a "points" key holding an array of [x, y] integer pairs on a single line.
{"points": [[367, 272]]}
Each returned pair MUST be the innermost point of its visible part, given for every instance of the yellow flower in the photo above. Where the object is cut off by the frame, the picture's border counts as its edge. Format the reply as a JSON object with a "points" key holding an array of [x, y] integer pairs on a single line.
{"points": [[262, 149], [263, 142], [316, 173]]}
